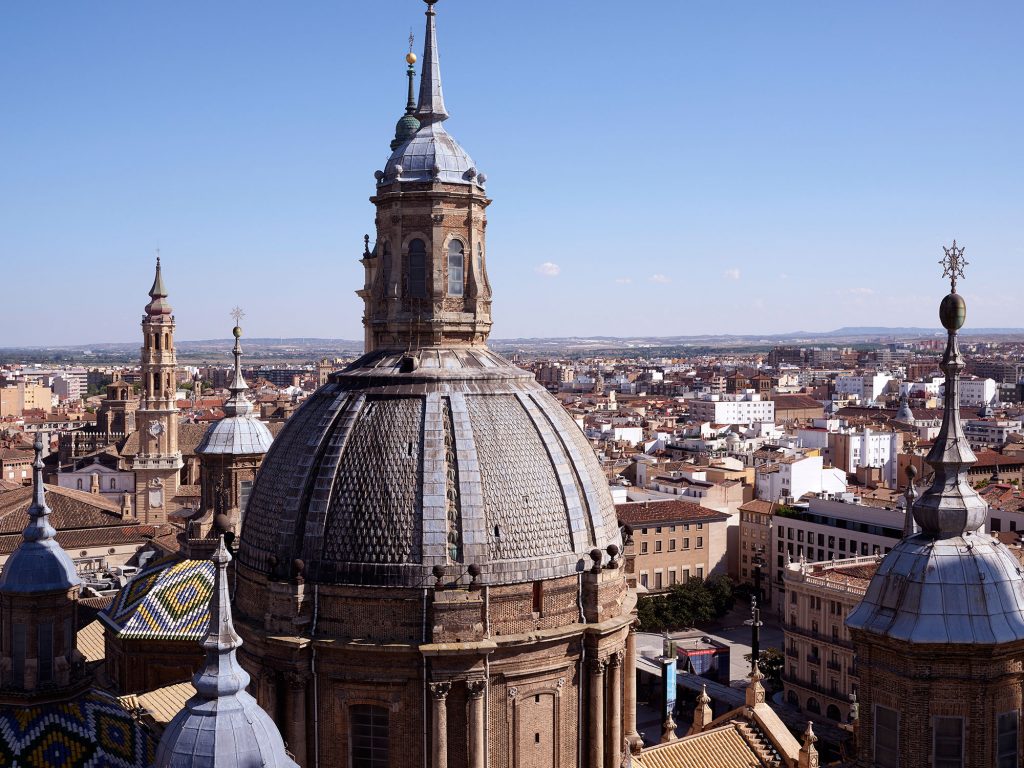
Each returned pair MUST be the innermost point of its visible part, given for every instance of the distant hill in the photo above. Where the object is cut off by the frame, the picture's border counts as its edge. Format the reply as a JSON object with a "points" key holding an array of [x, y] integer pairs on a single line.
{"points": [[310, 348]]}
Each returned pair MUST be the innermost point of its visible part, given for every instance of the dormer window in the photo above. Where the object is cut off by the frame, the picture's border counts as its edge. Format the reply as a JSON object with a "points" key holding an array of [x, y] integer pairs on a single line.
{"points": [[456, 267]]}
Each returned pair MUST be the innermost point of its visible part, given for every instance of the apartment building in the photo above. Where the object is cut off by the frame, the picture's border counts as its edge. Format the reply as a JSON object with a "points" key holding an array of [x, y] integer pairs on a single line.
{"points": [[830, 528], [674, 540], [820, 672], [792, 477], [755, 540], [990, 433], [746, 408]]}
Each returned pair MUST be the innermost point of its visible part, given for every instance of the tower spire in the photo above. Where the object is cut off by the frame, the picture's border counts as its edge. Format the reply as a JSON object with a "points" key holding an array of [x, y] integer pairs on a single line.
{"points": [[38, 528], [221, 675], [222, 724], [158, 293], [950, 506], [431, 104], [237, 404], [39, 564]]}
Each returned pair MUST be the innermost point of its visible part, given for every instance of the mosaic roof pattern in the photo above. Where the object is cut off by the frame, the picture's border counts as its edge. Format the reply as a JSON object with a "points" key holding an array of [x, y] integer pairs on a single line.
{"points": [[170, 600], [91, 731]]}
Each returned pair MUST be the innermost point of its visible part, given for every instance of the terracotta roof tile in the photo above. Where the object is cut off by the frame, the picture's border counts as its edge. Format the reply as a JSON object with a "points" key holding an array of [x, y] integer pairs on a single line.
{"points": [[666, 511]]}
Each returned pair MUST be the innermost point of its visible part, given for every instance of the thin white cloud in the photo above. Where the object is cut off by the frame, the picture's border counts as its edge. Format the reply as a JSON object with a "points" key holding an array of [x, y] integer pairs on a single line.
{"points": [[733, 273], [548, 269], [623, 280], [861, 291], [660, 278]]}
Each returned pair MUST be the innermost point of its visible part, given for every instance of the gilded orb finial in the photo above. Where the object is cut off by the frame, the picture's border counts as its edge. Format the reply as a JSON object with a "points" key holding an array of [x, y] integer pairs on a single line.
{"points": [[411, 57], [953, 264], [237, 314]]}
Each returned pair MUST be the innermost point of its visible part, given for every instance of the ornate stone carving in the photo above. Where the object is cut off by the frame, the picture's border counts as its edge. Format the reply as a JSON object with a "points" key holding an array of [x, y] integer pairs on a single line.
{"points": [[476, 688], [598, 666], [440, 690], [513, 692], [561, 683]]}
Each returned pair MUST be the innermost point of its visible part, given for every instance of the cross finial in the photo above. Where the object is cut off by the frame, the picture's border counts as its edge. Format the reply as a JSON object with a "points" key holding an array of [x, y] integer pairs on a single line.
{"points": [[158, 256], [237, 314], [953, 264]]}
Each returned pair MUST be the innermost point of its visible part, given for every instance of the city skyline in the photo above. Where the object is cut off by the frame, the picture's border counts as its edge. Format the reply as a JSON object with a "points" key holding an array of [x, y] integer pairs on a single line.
{"points": [[781, 169]]}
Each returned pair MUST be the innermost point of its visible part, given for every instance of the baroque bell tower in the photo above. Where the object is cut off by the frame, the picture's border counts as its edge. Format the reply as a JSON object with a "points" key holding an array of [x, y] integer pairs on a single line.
{"points": [[426, 279], [158, 462]]}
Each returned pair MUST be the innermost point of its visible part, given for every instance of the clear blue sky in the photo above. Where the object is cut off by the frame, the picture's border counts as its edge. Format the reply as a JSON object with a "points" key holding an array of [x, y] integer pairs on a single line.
{"points": [[690, 167]]}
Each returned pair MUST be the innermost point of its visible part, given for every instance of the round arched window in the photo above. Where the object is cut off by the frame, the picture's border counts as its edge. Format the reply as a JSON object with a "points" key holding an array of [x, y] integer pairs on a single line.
{"points": [[417, 269], [456, 267]]}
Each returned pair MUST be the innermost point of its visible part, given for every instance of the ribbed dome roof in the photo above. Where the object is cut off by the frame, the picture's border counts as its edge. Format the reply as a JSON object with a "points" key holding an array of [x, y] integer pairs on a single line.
{"points": [[430, 155], [440, 457]]}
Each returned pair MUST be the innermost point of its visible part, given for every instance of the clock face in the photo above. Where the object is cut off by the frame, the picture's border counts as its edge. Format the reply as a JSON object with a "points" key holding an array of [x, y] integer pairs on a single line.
{"points": [[156, 428]]}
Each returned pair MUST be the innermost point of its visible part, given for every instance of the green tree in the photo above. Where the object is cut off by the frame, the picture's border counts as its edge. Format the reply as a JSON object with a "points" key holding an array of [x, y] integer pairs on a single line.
{"points": [[685, 605], [770, 662]]}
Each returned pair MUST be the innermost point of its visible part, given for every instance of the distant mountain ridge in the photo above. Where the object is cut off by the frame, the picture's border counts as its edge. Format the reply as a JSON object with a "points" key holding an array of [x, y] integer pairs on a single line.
{"points": [[311, 343]]}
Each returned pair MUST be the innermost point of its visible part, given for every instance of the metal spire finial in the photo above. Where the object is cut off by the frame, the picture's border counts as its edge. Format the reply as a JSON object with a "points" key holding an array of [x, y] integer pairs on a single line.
{"points": [[221, 674], [953, 264], [950, 506], [237, 404], [38, 528]]}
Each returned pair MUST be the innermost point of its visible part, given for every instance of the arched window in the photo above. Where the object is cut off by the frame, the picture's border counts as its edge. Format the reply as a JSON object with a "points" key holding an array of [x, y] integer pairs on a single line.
{"points": [[793, 699], [832, 713], [368, 731], [456, 267], [813, 706], [417, 269], [79, 483]]}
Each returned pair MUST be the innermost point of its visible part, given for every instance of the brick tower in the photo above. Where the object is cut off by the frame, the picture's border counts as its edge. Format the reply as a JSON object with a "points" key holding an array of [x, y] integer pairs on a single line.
{"points": [[158, 462], [426, 278], [940, 633]]}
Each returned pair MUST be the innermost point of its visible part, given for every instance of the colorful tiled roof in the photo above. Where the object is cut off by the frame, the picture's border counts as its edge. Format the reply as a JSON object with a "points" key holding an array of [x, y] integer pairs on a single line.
{"points": [[170, 600], [91, 731]]}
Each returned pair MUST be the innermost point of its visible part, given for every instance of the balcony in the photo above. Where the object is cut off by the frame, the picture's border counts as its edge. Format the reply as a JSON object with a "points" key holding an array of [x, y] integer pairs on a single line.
{"points": [[835, 666], [811, 658], [793, 653]]}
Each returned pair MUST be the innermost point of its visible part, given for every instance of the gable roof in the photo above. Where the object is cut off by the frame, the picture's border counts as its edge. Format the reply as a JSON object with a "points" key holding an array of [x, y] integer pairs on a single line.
{"points": [[727, 746]]}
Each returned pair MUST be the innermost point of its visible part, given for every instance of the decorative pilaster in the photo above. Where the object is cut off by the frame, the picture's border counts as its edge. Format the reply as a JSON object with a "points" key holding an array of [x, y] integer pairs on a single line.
{"points": [[439, 724], [596, 756], [476, 689], [629, 692], [295, 709], [613, 751]]}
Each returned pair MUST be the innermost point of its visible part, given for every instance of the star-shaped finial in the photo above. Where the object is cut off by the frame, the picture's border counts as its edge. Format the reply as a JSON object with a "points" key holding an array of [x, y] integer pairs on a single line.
{"points": [[237, 314], [953, 264]]}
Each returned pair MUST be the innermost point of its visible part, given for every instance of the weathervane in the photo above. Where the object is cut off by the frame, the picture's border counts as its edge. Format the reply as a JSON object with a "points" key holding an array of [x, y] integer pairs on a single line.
{"points": [[238, 314], [953, 264], [412, 39]]}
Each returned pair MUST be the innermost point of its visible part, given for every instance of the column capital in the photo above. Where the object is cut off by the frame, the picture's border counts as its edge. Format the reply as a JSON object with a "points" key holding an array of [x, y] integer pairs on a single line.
{"points": [[597, 666], [296, 679], [476, 688], [615, 659], [440, 690]]}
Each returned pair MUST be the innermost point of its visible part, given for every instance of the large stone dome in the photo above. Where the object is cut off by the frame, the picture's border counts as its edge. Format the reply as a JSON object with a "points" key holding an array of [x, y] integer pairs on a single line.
{"points": [[404, 462]]}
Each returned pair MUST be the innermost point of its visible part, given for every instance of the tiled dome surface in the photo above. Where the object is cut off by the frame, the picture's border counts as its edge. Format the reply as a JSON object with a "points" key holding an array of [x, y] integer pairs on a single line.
{"points": [[383, 474]]}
